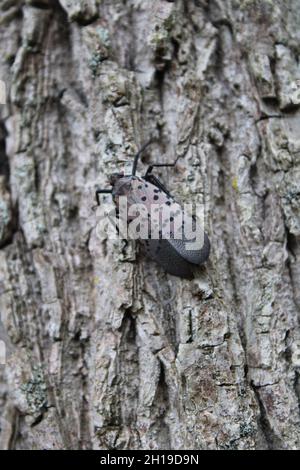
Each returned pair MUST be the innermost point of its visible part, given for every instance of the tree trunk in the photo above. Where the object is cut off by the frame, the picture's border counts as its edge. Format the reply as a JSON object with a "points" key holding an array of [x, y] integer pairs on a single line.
{"points": [[100, 348]]}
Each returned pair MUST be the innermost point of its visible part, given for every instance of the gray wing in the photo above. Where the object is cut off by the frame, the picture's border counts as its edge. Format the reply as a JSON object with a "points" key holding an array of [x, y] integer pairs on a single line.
{"points": [[168, 258], [192, 256], [149, 194]]}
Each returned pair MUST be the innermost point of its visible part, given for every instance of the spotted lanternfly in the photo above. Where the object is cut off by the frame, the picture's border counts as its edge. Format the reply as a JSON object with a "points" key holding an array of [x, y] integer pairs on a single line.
{"points": [[170, 252]]}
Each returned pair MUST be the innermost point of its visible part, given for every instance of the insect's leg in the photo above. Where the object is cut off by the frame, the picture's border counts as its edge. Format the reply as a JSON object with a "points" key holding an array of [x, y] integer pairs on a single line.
{"points": [[137, 156], [97, 195], [154, 180], [158, 165]]}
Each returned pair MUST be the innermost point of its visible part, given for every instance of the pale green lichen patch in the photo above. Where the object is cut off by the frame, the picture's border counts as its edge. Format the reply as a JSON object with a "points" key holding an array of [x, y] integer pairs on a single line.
{"points": [[94, 63], [234, 183], [103, 36], [36, 391], [98, 43]]}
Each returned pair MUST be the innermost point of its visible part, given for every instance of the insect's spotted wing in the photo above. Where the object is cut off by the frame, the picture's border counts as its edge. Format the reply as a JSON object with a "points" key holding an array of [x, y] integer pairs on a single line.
{"points": [[163, 216], [173, 219], [147, 193], [154, 200]]}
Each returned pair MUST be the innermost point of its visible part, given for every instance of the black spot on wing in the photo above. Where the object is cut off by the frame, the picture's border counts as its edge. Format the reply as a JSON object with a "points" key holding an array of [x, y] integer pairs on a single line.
{"points": [[148, 194]]}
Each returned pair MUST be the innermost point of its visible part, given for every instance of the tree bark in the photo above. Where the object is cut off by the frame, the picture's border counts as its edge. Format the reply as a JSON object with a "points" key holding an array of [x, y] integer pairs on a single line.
{"points": [[104, 350]]}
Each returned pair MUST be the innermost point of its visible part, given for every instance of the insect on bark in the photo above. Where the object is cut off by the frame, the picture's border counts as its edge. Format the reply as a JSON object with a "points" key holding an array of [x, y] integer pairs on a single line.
{"points": [[176, 252]]}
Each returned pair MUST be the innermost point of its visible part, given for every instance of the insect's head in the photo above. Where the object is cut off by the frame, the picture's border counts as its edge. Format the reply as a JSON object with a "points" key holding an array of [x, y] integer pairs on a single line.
{"points": [[115, 177], [121, 184]]}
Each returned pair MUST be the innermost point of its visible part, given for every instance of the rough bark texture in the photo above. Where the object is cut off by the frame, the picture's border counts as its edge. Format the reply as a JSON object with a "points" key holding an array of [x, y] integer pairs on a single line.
{"points": [[103, 349]]}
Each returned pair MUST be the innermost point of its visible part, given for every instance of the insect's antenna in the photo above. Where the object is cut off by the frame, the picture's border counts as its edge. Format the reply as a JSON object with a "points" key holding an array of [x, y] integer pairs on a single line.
{"points": [[136, 158]]}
